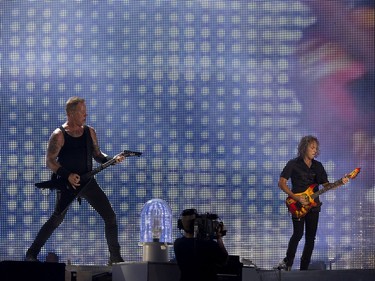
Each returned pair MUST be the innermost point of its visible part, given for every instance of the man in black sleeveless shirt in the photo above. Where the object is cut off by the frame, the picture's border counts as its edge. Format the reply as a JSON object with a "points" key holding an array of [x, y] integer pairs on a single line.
{"points": [[70, 151]]}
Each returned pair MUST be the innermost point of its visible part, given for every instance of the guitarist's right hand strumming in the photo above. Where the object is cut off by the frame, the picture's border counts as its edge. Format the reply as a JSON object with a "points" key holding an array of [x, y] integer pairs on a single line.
{"points": [[74, 180]]}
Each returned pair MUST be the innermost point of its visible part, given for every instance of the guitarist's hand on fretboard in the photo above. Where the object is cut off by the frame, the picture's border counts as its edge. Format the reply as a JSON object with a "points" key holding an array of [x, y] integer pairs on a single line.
{"points": [[119, 158], [345, 179]]}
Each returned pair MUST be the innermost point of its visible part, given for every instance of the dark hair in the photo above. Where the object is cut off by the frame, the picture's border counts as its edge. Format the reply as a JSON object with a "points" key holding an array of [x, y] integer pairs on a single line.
{"points": [[186, 221], [189, 212], [305, 142]]}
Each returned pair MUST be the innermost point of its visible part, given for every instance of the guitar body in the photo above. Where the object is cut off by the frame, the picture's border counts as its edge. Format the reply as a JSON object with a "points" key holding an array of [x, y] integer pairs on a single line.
{"points": [[75, 191], [296, 208], [61, 184], [68, 194]]}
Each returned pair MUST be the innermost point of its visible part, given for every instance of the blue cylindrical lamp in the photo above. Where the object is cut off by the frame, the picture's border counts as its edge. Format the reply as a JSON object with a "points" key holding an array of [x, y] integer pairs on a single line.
{"points": [[156, 230]]}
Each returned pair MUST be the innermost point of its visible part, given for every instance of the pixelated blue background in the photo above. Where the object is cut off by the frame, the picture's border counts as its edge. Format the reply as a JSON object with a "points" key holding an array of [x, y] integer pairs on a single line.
{"points": [[216, 94]]}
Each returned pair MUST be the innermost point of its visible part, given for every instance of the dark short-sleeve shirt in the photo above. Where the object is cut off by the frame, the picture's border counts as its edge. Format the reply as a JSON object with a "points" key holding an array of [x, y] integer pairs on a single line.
{"points": [[302, 176]]}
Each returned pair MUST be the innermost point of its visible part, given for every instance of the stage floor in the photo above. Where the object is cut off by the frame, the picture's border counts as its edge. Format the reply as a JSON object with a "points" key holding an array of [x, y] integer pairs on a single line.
{"points": [[151, 271], [316, 275]]}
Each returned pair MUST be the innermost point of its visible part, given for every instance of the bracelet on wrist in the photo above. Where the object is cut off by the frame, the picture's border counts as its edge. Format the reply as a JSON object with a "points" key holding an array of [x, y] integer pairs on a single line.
{"points": [[62, 172], [106, 159]]}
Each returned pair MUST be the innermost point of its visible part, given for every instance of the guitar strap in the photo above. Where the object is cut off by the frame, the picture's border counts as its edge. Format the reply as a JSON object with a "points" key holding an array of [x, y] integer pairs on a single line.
{"points": [[89, 147]]}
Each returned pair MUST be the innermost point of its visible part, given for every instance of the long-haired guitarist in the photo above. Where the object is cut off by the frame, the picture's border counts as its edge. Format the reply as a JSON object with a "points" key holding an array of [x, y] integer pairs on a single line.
{"points": [[303, 171], [71, 149]]}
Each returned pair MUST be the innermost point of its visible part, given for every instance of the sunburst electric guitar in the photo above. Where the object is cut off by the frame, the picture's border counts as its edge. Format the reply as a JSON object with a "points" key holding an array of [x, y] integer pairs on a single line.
{"points": [[298, 210]]}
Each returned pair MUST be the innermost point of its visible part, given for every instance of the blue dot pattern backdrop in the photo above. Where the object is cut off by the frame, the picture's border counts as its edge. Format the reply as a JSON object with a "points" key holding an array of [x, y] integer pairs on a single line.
{"points": [[216, 94]]}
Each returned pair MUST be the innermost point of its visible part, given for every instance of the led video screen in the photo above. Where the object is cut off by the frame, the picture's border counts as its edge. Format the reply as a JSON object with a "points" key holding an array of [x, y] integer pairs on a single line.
{"points": [[215, 94]]}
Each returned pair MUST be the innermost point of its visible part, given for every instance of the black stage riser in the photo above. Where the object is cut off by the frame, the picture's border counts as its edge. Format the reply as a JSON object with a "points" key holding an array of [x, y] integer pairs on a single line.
{"points": [[31, 271], [317, 275]]}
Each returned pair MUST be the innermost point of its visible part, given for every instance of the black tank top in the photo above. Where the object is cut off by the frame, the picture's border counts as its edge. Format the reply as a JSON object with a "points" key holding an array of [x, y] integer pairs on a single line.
{"points": [[73, 155]]}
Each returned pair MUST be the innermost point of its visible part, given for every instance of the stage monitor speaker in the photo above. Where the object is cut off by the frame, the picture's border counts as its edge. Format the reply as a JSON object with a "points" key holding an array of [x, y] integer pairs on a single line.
{"points": [[31, 271], [145, 271], [317, 265], [232, 271]]}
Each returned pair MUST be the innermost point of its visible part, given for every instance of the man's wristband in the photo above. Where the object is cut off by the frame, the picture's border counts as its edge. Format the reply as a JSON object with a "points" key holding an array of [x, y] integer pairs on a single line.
{"points": [[106, 159], [62, 172]]}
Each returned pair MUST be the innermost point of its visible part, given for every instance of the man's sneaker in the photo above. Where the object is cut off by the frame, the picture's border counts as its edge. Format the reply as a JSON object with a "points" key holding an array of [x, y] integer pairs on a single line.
{"points": [[282, 266]]}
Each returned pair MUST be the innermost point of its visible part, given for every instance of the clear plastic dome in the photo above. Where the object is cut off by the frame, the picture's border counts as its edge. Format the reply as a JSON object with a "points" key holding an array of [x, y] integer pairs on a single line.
{"points": [[156, 222]]}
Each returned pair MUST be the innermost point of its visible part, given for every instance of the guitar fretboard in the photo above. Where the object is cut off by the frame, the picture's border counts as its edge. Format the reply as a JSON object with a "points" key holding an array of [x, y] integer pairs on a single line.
{"points": [[110, 162], [327, 187]]}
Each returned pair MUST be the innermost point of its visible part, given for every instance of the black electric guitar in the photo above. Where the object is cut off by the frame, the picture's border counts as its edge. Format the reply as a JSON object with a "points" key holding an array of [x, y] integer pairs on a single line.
{"points": [[69, 194], [63, 184]]}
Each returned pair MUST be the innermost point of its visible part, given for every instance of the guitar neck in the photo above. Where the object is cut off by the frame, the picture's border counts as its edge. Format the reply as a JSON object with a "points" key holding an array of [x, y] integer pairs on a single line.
{"points": [[327, 187], [126, 153], [102, 167], [98, 169]]}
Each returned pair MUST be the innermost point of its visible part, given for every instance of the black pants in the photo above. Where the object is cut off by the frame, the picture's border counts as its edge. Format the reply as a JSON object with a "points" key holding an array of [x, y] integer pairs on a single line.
{"points": [[95, 196], [310, 221]]}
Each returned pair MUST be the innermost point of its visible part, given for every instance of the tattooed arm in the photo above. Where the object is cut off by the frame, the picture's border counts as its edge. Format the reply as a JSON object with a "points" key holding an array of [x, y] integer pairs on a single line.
{"points": [[98, 155], [55, 143]]}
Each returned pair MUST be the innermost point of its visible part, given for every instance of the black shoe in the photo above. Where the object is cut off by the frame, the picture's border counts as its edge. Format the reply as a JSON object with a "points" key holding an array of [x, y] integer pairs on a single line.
{"points": [[282, 266], [31, 257], [115, 259]]}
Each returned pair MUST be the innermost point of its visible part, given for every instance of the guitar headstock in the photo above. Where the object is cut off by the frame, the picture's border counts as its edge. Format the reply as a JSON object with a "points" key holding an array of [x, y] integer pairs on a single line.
{"points": [[128, 153], [353, 174]]}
